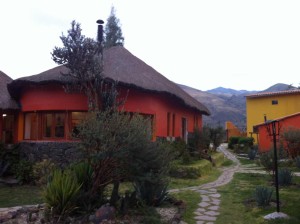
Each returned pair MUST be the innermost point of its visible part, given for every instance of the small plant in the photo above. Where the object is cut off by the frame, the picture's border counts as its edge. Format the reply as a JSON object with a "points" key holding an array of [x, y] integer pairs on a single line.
{"points": [[266, 159], [297, 161], [252, 153], [152, 189], [285, 177], [263, 195], [61, 194]]}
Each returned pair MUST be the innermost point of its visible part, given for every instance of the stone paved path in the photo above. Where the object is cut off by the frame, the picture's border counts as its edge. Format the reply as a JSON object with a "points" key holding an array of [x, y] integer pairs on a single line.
{"points": [[207, 211]]}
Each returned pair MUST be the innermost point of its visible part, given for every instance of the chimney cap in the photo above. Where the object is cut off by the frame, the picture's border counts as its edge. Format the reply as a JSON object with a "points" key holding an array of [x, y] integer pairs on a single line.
{"points": [[100, 21]]}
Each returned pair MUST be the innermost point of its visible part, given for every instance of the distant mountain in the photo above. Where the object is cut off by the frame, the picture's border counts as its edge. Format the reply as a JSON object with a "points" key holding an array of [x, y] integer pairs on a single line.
{"points": [[227, 104], [278, 87], [228, 91]]}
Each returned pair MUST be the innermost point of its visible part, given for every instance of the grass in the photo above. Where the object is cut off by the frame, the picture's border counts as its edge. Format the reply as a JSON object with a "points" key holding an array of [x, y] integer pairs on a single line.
{"points": [[191, 199], [241, 188], [227, 162], [20, 195], [177, 183]]}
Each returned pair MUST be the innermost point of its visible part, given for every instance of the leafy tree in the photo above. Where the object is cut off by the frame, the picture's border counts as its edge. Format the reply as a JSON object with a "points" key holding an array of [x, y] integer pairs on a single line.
{"points": [[83, 57], [113, 32]]}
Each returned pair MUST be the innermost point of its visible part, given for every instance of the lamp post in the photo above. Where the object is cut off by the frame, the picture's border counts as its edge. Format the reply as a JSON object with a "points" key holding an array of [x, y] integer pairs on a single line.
{"points": [[273, 131]]}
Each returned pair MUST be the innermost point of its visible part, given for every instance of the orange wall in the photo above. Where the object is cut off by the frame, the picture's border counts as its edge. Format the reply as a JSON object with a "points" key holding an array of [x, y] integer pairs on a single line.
{"points": [[53, 97], [232, 130], [266, 142], [160, 104]]}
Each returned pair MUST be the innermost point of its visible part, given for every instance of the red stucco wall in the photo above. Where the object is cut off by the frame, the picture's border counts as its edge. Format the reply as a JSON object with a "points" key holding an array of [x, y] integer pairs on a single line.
{"points": [[52, 97], [266, 141]]}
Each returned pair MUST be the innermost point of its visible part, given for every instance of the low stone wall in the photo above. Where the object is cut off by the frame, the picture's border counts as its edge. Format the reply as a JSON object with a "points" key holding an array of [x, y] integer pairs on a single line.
{"points": [[61, 153]]}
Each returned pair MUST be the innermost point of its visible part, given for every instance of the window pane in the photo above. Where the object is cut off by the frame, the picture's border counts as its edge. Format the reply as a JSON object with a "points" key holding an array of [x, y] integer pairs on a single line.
{"points": [[77, 117], [30, 130], [59, 125], [47, 125]]}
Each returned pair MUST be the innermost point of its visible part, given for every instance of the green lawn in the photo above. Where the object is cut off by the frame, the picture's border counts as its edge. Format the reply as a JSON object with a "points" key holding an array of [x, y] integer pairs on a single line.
{"points": [[191, 199], [177, 183], [235, 210], [19, 195]]}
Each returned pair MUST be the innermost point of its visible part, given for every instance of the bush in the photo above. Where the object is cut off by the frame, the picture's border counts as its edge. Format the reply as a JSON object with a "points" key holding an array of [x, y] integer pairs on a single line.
{"points": [[23, 171], [217, 159], [151, 189], [190, 171], [263, 195], [9, 159], [247, 141], [233, 141], [285, 177], [252, 153], [297, 161], [178, 148], [41, 171], [291, 136], [266, 159], [61, 194], [187, 172], [88, 199]]}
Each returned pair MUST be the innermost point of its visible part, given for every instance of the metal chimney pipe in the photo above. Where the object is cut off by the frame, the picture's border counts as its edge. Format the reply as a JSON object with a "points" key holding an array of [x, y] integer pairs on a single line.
{"points": [[100, 30]]}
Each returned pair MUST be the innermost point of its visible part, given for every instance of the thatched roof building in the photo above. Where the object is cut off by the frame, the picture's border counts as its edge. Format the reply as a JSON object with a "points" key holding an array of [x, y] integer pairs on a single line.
{"points": [[119, 65], [6, 102]]}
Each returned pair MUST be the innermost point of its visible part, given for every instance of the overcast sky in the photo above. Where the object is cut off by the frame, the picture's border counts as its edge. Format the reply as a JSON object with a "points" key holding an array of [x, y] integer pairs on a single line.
{"points": [[203, 44]]}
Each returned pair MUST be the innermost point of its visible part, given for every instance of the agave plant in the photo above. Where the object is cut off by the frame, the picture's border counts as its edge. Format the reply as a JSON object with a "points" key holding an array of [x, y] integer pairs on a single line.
{"points": [[61, 193]]}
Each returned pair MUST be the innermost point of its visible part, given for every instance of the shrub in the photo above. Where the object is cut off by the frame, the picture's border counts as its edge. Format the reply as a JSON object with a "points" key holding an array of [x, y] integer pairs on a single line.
{"points": [[41, 171], [233, 141], [84, 174], [9, 159], [252, 153], [217, 159], [23, 171], [88, 199], [178, 148], [186, 158], [291, 136], [187, 172], [61, 194], [285, 177], [190, 171], [297, 161], [247, 141], [266, 159], [263, 195], [152, 189]]}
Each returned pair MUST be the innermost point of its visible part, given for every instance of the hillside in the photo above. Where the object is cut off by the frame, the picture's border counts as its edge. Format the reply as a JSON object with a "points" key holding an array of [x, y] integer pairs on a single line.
{"points": [[227, 104]]}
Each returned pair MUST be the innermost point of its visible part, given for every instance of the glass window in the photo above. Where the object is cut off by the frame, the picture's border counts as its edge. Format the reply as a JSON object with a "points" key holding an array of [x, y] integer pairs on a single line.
{"points": [[47, 125], [274, 102], [30, 129], [77, 117], [59, 126]]}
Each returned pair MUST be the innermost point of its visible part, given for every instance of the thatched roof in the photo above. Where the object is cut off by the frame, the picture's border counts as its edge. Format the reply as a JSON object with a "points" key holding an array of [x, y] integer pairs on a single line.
{"points": [[120, 65], [6, 102]]}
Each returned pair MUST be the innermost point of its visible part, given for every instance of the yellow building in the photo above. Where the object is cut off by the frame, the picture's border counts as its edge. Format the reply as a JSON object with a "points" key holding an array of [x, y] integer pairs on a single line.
{"points": [[273, 104]]}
